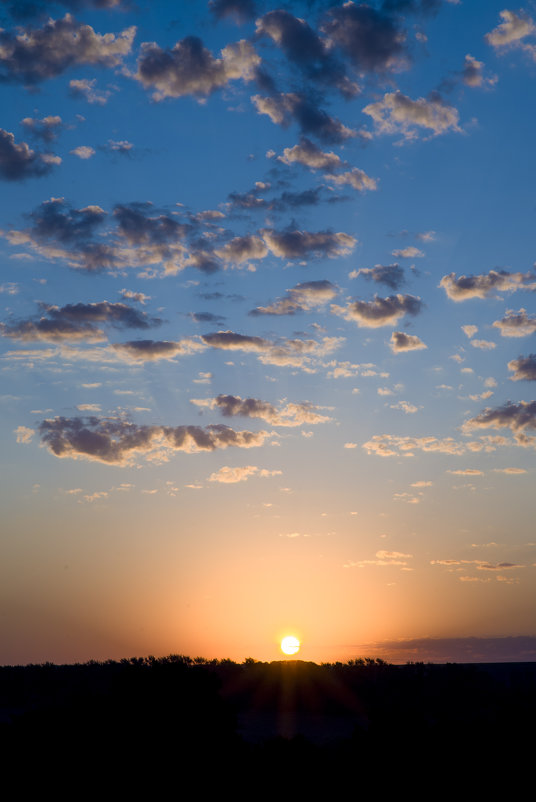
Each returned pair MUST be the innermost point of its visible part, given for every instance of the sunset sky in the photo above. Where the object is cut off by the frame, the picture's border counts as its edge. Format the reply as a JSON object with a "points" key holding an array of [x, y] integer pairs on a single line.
{"points": [[267, 329]]}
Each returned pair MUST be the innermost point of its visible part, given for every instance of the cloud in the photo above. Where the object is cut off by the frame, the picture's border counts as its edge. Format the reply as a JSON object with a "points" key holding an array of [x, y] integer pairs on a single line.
{"points": [[398, 113], [242, 249], [469, 330], [370, 40], [511, 31], [516, 417], [390, 275], [512, 471], [389, 445], [83, 152], [408, 253], [300, 298], [154, 350], [85, 88], [383, 558], [524, 368], [292, 414], [284, 108], [35, 54], [406, 407], [422, 483], [24, 434], [229, 475], [400, 341], [355, 178], [116, 441], [472, 73], [78, 322], [188, 68], [481, 286], [242, 10], [122, 146], [305, 49], [304, 244], [483, 345], [18, 161], [47, 128], [467, 472], [380, 311], [208, 317], [290, 353], [516, 324], [310, 155], [140, 297]]}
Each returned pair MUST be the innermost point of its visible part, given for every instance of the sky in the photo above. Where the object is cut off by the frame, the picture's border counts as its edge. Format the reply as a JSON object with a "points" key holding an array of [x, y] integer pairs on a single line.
{"points": [[267, 329]]}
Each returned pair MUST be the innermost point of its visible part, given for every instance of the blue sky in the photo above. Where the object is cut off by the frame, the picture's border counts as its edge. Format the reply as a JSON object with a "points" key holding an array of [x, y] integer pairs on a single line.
{"points": [[267, 328]]}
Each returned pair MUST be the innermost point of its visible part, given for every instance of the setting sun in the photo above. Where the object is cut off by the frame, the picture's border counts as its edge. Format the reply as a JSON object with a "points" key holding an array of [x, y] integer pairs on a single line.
{"points": [[290, 645]]}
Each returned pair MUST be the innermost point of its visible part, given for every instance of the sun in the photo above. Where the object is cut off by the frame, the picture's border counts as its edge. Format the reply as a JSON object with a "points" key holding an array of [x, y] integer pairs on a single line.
{"points": [[290, 645]]}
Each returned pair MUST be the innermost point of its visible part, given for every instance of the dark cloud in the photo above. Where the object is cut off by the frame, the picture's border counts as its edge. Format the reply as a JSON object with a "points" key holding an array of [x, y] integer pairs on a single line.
{"points": [[296, 200], [139, 227], [304, 48], [516, 324], [220, 296], [371, 39], [208, 317], [305, 244], [290, 353], [35, 54], [303, 297], [459, 289], [241, 10], [242, 249], [78, 321], [18, 161], [154, 350], [291, 414], [284, 108], [116, 441], [516, 417], [523, 368], [380, 311], [400, 342], [46, 129], [188, 68], [390, 275]]}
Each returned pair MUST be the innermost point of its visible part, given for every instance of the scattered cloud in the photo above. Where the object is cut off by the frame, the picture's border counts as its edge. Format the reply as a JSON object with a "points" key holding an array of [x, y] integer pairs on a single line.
{"points": [[469, 330], [398, 113], [47, 129], [291, 414], [310, 155], [516, 324], [18, 161], [512, 32], [155, 350], [481, 286], [408, 253], [390, 275], [24, 434], [383, 558], [85, 88], [483, 345], [83, 152], [400, 342], [524, 368], [295, 244], [390, 445], [302, 297], [292, 353], [516, 417], [380, 311], [228, 475], [405, 406], [284, 108]]}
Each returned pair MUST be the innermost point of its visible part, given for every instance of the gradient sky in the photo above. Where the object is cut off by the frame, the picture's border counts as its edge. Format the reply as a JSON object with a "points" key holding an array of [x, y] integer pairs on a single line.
{"points": [[267, 329]]}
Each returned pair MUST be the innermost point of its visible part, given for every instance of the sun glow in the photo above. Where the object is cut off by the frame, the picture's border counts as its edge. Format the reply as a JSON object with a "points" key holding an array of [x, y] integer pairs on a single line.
{"points": [[290, 645]]}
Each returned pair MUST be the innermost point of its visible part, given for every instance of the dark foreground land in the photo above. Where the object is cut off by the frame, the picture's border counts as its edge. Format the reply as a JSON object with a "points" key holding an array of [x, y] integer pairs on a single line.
{"points": [[138, 722]]}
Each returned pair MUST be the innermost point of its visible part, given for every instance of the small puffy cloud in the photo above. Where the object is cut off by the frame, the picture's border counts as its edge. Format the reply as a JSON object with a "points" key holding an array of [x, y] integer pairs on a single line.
{"points": [[46, 129], [383, 558], [18, 161], [140, 297], [290, 353], [398, 113], [305, 244], [523, 368], [189, 68], [406, 407], [511, 32], [390, 275], [400, 342], [155, 350], [481, 286], [472, 73], [380, 311], [310, 155], [121, 146], [355, 178], [302, 297], [408, 253], [85, 88], [24, 434], [116, 441], [35, 54], [469, 330], [290, 107], [516, 324], [83, 152], [483, 345], [292, 414], [229, 475], [88, 407]]}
